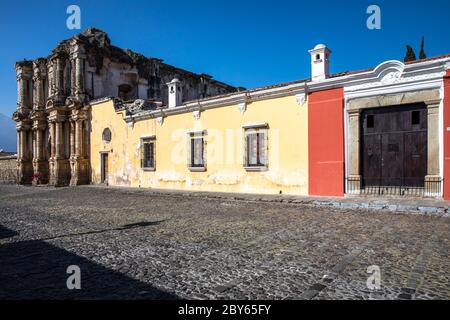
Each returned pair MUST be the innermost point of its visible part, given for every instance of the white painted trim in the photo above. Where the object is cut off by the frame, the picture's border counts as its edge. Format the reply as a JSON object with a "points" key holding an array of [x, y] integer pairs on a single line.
{"points": [[242, 107], [196, 132], [196, 114], [255, 125], [300, 98], [346, 143]]}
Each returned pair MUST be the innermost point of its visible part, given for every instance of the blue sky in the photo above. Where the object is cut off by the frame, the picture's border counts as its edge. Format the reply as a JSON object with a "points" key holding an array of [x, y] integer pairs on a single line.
{"points": [[247, 43]]}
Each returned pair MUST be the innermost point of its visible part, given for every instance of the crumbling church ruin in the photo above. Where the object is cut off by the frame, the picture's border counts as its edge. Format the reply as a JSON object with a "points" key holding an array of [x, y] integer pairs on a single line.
{"points": [[53, 112]]}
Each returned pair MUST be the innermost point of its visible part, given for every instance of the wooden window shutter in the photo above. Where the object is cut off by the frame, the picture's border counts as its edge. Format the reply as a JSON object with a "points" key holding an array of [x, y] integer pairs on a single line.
{"points": [[263, 143]]}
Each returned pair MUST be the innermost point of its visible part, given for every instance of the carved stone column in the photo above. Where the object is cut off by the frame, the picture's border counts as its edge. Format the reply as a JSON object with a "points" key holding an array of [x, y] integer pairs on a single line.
{"points": [[52, 161], [40, 165], [353, 136], [59, 166], [77, 59], [39, 151], [24, 144], [79, 75], [78, 138], [39, 75], [52, 140], [72, 139], [59, 141], [79, 164], [50, 77], [24, 75], [60, 65], [56, 72], [24, 163], [21, 89], [433, 178], [24, 72]]}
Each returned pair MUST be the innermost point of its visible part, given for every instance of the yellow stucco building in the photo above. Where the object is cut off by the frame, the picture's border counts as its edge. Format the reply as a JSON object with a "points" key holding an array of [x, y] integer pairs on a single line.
{"points": [[223, 125]]}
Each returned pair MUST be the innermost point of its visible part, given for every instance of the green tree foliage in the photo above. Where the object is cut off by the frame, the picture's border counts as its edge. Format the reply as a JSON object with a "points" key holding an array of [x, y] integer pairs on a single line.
{"points": [[422, 54], [410, 55]]}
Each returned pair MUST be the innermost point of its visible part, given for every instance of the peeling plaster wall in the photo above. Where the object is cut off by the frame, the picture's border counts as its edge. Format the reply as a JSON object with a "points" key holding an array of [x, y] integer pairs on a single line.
{"points": [[288, 149]]}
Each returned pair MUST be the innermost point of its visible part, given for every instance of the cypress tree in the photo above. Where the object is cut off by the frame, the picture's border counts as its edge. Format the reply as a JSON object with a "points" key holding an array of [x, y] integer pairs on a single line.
{"points": [[422, 54], [410, 55]]}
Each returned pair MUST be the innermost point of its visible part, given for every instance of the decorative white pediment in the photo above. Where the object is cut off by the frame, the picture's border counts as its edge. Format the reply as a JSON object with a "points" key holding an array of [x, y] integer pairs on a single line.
{"points": [[391, 77], [242, 107], [389, 72], [300, 99]]}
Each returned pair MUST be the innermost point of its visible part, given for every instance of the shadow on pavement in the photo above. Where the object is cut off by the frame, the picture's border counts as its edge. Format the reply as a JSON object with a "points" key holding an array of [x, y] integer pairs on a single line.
{"points": [[7, 233], [37, 270], [125, 227]]}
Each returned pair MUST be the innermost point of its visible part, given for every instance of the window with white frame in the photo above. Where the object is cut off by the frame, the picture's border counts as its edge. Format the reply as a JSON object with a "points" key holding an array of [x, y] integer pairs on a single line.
{"points": [[256, 152], [148, 153], [196, 151]]}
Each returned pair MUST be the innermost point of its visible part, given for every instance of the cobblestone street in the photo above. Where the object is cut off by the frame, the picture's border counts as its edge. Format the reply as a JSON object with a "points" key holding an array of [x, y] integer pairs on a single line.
{"points": [[140, 244]]}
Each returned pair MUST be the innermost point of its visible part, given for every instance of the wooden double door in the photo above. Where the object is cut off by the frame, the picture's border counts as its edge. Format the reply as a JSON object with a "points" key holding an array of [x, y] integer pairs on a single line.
{"points": [[394, 146]]}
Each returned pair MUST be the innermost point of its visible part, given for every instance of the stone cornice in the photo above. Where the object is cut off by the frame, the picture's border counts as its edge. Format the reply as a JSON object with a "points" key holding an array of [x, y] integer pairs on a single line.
{"points": [[23, 125]]}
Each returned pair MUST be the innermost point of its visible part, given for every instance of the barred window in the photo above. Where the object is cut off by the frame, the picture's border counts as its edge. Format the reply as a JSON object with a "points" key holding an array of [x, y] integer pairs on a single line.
{"points": [[148, 153], [256, 148], [196, 152]]}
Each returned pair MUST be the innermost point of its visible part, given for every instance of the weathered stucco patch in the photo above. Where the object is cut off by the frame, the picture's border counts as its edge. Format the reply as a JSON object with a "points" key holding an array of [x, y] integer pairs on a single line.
{"points": [[225, 177], [197, 182], [170, 176], [287, 179], [121, 181]]}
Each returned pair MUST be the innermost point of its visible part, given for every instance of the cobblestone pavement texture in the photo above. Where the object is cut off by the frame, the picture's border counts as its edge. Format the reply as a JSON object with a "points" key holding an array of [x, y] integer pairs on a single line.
{"points": [[140, 244]]}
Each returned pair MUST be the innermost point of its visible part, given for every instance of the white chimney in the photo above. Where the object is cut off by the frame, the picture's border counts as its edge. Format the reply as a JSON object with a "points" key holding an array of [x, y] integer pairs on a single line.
{"points": [[320, 62], [175, 93]]}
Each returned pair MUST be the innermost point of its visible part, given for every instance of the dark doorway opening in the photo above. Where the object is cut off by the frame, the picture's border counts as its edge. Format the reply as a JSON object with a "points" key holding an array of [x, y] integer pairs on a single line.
{"points": [[104, 167]]}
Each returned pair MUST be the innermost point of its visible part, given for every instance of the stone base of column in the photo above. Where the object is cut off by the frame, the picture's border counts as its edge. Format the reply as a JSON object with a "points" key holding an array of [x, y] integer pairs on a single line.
{"points": [[25, 172], [41, 172], [353, 184], [59, 172], [433, 186], [80, 171]]}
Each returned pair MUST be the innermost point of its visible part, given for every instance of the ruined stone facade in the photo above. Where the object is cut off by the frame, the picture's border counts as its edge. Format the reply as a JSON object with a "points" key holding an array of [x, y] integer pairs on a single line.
{"points": [[53, 112]]}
